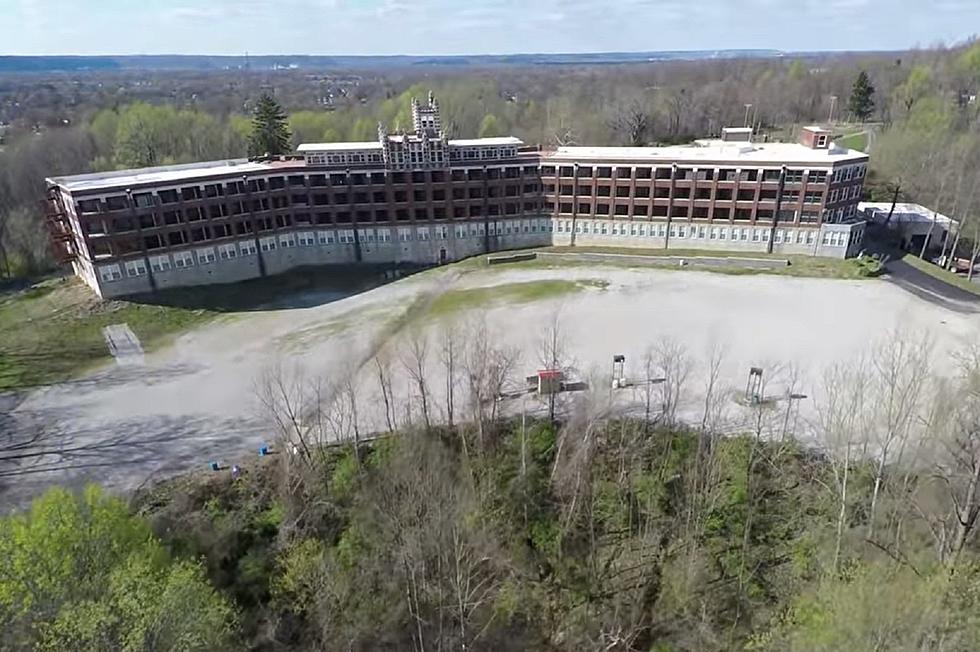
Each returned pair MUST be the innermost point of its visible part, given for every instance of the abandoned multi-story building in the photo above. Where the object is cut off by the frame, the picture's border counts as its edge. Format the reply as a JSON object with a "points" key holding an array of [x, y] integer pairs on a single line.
{"points": [[424, 198]]}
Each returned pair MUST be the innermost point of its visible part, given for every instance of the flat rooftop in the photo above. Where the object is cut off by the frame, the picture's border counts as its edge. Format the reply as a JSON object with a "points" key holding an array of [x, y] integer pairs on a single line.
{"points": [[163, 174], [338, 147], [904, 212], [714, 151], [702, 150], [494, 141]]}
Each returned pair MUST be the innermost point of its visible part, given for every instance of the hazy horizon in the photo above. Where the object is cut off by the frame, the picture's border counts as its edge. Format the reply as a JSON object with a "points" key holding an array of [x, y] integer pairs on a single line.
{"points": [[489, 27], [243, 55]]}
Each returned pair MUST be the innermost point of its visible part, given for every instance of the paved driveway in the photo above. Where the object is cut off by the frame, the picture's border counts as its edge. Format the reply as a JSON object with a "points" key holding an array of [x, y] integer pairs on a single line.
{"points": [[931, 288]]}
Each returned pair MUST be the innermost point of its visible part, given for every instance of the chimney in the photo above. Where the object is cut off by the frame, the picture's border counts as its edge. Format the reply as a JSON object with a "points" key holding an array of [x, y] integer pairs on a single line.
{"points": [[815, 137]]}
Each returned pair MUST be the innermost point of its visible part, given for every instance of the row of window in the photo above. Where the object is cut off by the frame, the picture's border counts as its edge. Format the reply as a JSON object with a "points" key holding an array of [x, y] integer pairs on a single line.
{"points": [[720, 194], [237, 207], [209, 255], [244, 248], [692, 232], [356, 179], [350, 157], [301, 181], [101, 248], [418, 151], [849, 172], [480, 152], [841, 238], [219, 211], [843, 194], [680, 211], [664, 172]]}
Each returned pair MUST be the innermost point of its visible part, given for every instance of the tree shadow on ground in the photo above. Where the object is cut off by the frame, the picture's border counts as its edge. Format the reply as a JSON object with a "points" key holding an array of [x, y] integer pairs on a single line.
{"points": [[302, 287], [121, 454]]}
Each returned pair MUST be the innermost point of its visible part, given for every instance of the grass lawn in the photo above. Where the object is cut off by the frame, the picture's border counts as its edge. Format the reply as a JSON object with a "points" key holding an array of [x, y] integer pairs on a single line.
{"points": [[942, 274], [858, 141], [453, 301], [812, 266], [53, 331]]}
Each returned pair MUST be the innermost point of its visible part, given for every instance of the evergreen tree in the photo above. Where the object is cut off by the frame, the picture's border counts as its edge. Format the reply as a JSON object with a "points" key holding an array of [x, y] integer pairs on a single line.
{"points": [[270, 132], [862, 103]]}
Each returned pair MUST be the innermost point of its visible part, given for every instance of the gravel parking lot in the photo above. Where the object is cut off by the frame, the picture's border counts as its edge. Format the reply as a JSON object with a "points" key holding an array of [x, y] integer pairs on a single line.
{"points": [[198, 399]]}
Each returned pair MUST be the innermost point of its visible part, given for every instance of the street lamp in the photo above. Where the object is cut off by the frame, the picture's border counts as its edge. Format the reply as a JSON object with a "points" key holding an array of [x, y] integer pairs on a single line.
{"points": [[833, 105], [747, 107]]}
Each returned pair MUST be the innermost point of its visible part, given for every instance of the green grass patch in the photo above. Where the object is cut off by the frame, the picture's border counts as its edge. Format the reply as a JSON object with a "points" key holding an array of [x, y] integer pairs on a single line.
{"points": [[640, 251], [454, 301], [858, 141], [800, 266], [53, 331], [305, 337], [943, 275]]}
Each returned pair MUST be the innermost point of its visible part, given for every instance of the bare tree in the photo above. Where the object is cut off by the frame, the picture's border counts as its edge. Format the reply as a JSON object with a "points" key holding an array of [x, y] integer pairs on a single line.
{"points": [[285, 396], [630, 120], [414, 359], [956, 431], [673, 364], [553, 356], [576, 446], [449, 357], [840, 414], [348, 392], [899, 368], [704, 464], [714, 397], [382, 364], [488, 368], [446, 565]]}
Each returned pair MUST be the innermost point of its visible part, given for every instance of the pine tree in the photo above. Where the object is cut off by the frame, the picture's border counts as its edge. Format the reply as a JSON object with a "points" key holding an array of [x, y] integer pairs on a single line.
{"points": [[270, 133], [862, 103]]}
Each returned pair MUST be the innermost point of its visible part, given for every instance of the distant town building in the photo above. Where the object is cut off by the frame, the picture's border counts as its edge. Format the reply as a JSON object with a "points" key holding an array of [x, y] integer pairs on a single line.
{"points": [[423, 198]]}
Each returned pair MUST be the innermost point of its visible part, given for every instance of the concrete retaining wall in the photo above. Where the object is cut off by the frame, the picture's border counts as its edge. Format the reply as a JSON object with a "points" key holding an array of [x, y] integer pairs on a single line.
{"points": [[428, 246], [706, 261]]}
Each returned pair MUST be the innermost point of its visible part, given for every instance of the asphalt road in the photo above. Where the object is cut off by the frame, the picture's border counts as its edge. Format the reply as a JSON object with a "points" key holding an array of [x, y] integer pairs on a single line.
{"points": [[930, 288]]}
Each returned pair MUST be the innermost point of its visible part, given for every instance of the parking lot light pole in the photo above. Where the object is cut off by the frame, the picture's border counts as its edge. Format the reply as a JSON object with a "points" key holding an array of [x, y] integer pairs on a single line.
{"points": [[789, 409]]}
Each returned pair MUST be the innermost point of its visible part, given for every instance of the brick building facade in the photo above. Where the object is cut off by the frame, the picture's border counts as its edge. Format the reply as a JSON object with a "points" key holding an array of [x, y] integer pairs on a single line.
{"points": [[424, 198]]}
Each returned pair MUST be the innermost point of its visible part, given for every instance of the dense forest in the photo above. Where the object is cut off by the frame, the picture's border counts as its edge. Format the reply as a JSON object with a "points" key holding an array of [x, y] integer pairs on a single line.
{"points": [[592, 531], [920, 107]]}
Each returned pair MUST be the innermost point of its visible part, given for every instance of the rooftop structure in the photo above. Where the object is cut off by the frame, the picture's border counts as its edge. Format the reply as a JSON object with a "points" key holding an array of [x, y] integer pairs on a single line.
{"points": [[717, 151], [914, 224], [420, 197], [815, 137], [904, 213], [736, 134], [157, 175], [338, 147]]}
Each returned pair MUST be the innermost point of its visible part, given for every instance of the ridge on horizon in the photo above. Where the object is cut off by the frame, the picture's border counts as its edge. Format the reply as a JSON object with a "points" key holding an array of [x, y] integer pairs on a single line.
{"points": [[121, 62]]}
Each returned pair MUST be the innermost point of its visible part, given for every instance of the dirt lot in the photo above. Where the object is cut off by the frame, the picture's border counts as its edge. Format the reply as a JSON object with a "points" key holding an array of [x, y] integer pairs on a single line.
{"points": [[199, 398]]}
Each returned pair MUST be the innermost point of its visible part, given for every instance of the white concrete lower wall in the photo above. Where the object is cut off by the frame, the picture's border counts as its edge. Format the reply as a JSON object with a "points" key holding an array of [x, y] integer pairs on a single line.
{"points": [[443, 243]]}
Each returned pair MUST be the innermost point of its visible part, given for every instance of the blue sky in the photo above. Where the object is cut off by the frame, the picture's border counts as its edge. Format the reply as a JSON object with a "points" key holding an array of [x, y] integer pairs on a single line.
{"points": [[473, 26]]}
